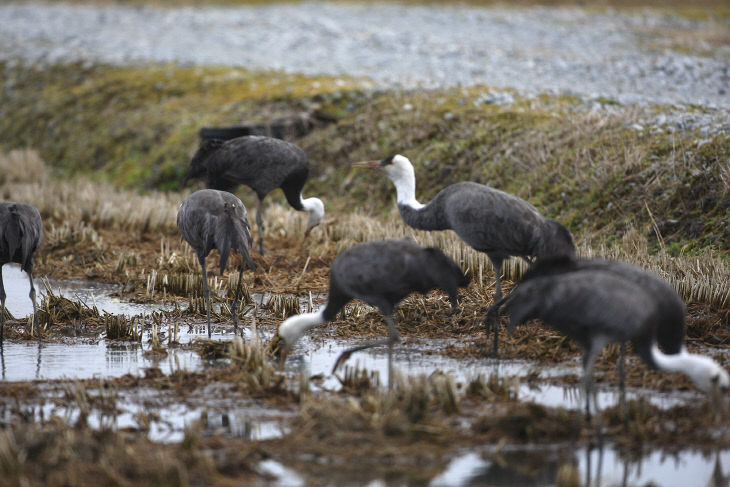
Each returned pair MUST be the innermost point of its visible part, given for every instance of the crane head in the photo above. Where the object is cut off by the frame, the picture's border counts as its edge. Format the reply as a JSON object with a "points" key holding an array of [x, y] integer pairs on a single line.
{"points": [[315, 209], [198, 167], [397, 167]]}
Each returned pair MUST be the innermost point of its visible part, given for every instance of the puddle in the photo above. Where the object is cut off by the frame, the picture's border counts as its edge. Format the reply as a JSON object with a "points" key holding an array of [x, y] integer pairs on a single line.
{"points": [[28, 361], [596, 467], [539, 466], [223, 412], [318, 356], [19, 304]]}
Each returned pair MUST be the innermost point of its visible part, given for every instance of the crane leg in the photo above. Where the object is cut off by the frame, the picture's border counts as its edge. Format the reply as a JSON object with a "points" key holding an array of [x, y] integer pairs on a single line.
{"points": [[497, 264], [393, 338], [234, 306], [589, 359], [2, 311], [206, 290], [622, 384], [260, 224], [35, 309]]}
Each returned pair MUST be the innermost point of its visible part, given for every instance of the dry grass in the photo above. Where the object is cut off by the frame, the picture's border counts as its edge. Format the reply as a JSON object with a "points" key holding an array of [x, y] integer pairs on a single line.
{"points": [[74, 206], [77, 213], [703, 279]]}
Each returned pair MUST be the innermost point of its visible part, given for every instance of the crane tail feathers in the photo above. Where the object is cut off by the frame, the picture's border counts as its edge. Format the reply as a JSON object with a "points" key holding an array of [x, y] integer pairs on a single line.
{"points": [[232, 234], [13, 235]]}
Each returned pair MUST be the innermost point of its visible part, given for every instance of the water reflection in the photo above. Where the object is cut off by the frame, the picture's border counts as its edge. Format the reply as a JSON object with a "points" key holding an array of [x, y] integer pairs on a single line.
{"points": [[595, 467], [92, 294], [316, 357], [538, 466], [50, 360]]}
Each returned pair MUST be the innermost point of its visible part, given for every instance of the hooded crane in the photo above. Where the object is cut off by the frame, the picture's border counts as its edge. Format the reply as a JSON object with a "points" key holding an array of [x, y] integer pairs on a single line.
{"points": [[596, 303], [380, 273], [491, 221], [21, 231], [210, 219], [670, 336], [261, 163]]}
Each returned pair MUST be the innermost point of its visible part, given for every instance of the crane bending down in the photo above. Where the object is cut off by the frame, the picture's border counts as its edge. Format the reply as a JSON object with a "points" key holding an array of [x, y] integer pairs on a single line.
{"points": [[671, 332], [21, 232], [381, 273], [261, 163], [210, 219], [489, 220], [597, 303]]}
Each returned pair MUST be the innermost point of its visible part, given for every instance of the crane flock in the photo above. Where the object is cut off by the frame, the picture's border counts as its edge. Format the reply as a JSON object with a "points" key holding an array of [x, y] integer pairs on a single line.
{"points": [[594, 302]]}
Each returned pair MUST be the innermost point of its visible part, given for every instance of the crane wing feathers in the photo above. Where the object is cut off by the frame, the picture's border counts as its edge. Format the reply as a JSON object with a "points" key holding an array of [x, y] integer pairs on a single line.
{"points": [[575, 302], [491, 220], [384, 270]]}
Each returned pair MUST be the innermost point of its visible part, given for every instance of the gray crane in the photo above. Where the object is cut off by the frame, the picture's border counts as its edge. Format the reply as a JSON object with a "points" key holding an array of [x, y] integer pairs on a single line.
{"points": [[489, 220], [210, 219], [597, 302], [380, 273], [672, 323], [261, 163], [21, 232]]}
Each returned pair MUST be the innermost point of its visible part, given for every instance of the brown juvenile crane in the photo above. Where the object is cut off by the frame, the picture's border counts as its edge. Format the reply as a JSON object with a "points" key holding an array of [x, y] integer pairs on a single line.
{"points": [[491, 221], [261, 163], [210, 219], [22, 231]]}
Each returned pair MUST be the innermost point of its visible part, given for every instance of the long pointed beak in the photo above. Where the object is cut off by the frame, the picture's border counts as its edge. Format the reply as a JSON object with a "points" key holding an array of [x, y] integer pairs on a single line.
{"points": [[367, 164], [282, 357]]}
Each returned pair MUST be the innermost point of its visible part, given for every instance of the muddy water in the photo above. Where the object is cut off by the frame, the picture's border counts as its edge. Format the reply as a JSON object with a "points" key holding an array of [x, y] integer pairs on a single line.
{"points": [[316, 354], [19, 304], [539, 466], [317, 357]]}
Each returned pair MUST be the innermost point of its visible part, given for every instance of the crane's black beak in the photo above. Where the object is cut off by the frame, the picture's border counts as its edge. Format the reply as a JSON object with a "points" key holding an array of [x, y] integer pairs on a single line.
{"points": [[282, 357], [367, 164]]}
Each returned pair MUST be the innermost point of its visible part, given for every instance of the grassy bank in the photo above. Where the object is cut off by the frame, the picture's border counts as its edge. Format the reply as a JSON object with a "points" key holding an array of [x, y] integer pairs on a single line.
{"points": [[599, 172]]}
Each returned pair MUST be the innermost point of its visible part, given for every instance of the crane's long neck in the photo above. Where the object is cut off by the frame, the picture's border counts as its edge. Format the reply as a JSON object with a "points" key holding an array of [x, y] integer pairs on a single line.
{"points": [[415, 214], [702, 370]]}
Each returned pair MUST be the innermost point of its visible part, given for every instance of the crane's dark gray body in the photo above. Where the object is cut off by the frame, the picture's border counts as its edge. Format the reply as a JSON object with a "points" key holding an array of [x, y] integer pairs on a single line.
{"points": [[261, 163], [596, 302], [382, 273], [21, 231], [210, 219], [491, 221], [672, 312]]}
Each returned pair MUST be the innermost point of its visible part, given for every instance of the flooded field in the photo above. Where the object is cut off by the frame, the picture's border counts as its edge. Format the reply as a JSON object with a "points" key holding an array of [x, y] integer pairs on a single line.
{"points": [[115, 385]]}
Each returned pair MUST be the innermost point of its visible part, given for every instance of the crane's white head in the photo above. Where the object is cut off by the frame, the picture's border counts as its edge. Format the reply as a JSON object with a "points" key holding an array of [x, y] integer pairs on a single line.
{"points": [[315, 209], [400, 170], [708, 375], [292, 329]]}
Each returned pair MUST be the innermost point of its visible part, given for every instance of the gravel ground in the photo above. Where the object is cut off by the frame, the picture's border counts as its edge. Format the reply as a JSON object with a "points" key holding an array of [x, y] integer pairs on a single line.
{"points": [[613, 55]]}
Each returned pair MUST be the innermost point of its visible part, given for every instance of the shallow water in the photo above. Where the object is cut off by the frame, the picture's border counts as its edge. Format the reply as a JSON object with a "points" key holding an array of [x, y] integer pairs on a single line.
{"points": [[539, 465], [218, 414], [17, 288], [318, 356], [595, 466]]}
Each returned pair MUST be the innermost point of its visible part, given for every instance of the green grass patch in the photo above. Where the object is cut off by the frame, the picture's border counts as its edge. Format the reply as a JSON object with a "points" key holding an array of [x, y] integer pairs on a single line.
{"points": [[137, 127]]}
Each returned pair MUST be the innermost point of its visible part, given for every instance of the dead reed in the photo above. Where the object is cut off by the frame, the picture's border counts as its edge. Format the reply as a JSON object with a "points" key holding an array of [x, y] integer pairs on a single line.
{"points": [[75, 202]]}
